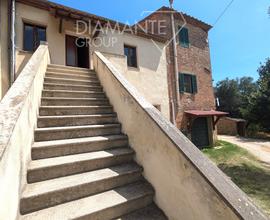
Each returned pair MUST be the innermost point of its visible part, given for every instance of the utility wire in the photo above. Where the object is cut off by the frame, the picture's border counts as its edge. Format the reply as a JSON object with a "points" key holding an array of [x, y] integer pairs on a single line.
{"points": [[223, 12]]}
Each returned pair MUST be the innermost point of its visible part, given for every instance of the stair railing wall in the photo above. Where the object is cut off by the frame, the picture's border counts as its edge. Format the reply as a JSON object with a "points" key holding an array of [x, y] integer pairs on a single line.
{"points": [[187, 185], [18, 116]]}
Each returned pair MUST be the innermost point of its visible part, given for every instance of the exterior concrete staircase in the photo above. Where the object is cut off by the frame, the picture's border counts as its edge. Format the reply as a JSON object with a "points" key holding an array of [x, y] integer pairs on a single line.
{"points": [[82, 166]]}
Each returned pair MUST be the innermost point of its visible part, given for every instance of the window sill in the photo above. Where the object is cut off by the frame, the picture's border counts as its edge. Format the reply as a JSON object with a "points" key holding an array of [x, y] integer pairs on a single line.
{"points": [[187, 93], [186, 47]]}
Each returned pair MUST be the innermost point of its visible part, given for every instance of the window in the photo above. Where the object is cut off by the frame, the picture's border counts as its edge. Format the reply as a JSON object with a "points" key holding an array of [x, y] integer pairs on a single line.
{"points": [[131, 54], [188, 83], [32, 36], [183, 37]]}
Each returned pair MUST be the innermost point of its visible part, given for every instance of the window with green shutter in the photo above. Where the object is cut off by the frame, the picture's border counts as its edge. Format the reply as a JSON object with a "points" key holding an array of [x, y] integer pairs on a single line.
{"points": [[188, 83], [183, 37], [181, 82], [194, 84]]}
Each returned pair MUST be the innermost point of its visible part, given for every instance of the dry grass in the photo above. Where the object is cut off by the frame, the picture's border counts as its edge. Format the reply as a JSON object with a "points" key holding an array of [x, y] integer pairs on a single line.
{"points": [[244, 170]]}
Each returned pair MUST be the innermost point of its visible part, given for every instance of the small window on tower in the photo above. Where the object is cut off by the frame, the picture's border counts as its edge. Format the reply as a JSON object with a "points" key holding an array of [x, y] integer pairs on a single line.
{"points": [[184, 37]]}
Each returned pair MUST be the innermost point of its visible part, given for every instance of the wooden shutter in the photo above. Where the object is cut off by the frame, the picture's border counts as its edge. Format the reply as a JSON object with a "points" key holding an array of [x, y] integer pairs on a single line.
{"points": [[184, 37], [194, 84], [181, 82]]}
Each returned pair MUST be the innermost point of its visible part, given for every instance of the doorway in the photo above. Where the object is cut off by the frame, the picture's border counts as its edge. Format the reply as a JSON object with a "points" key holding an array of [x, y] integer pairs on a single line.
{"points": [[241, 128], [199, 133], [77, 52]]}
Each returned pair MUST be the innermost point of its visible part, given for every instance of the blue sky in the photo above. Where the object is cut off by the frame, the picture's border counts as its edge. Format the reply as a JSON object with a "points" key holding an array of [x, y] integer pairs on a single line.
{"points": [[239, 41]]}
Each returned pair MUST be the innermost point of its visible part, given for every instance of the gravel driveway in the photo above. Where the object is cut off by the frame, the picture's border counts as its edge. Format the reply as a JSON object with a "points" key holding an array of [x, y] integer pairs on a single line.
{"points": [[259, 148]]}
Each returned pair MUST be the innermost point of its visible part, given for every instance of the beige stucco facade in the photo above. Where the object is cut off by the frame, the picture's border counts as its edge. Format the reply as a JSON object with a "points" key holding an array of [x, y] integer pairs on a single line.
{"points": [[55, 39], [18, 114], [150, 78], [4, 76]]}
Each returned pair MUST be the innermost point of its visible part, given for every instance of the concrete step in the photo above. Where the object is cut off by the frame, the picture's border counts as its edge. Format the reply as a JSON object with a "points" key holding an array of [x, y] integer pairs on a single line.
{"points": [[63, 101], [44, 169], [49, 193], [103, 206], [85, 72], [71, 81], [151, 212], [56, 86], [68, 68], [74, 120], [60, 133], [47, 149], [88, 76], [74, 110], [73, 94]]}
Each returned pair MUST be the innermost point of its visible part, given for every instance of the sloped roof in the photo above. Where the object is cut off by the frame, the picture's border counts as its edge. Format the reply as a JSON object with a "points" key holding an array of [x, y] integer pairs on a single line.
{"points": [[206, 113], [189, 19], [82, 15]]}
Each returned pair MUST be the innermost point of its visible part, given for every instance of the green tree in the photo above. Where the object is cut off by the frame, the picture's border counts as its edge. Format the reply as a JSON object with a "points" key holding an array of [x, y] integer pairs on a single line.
{"points": [[227, 91], [258, 109], [247, 99], [247, 87], [234, 95]]}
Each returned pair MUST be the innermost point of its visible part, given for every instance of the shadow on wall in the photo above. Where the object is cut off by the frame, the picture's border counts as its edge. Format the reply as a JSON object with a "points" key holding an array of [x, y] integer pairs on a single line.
{"points": [[152, 59], [149, 53], [150, 62], [21, 60]]}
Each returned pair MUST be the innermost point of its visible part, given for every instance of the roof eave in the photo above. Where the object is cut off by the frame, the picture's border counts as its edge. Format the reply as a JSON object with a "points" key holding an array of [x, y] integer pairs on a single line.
{"points": [[190, 19], [48, 5]]}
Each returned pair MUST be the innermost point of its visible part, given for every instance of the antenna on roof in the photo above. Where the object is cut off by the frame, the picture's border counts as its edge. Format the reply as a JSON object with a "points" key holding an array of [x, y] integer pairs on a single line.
{"points": [[171, 3]]}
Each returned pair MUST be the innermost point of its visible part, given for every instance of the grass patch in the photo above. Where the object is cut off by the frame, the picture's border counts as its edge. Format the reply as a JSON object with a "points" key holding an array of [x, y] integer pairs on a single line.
{"points": [[244, 170]]}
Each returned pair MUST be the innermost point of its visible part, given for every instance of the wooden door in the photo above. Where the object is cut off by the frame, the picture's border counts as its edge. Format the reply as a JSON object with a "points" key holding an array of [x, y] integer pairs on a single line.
{"points": [[71, 51], [199, 133]]}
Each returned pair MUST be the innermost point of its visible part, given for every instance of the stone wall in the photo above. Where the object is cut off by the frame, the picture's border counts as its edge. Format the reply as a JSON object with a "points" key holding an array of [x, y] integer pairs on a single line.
{"points": [[226, 126], [187, 185], [18, 117]]}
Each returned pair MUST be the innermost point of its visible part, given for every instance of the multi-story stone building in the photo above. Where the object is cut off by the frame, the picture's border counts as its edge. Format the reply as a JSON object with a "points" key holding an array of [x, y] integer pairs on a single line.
{"points": [[195, 110], [153, 72], [80, 133]]}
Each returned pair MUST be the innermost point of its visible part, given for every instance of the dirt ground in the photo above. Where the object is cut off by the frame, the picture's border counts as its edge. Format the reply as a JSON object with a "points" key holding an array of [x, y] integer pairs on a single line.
{"points": [[258, 147]]}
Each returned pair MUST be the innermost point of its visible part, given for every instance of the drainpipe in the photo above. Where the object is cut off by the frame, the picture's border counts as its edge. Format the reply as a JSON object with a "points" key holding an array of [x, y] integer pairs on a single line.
{"points": [[176, 107], [12, 58]]}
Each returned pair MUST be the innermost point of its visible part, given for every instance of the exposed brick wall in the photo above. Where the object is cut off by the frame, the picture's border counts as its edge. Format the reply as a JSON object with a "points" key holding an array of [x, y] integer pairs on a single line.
{"points": [[226, 126], [194, 60]]}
